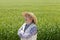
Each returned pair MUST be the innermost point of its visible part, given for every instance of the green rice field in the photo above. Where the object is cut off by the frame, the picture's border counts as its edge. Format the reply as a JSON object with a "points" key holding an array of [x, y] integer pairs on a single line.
{"points": [[46, 11]]}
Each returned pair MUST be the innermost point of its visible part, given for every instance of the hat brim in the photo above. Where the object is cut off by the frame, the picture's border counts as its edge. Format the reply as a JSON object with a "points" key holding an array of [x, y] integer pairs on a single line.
{"points": [[31, 14]]}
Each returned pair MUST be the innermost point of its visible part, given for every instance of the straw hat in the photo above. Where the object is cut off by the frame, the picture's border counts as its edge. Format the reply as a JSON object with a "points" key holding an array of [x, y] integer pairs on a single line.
{"points": [[30, 14]]}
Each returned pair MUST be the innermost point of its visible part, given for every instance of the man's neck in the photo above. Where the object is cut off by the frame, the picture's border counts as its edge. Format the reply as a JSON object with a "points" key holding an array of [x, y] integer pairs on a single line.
{"points": [[28, 23]]}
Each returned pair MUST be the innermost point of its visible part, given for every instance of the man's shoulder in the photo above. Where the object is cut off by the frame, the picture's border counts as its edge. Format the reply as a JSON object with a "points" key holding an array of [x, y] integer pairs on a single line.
{"points": [[33, 24]]}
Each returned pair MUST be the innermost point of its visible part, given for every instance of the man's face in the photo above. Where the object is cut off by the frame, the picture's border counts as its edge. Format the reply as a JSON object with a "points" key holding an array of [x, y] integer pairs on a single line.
{"points": [[28, 19]]}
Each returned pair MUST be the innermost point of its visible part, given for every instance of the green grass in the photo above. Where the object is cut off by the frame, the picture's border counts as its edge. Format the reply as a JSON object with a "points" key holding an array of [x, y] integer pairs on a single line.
{"points": [[47, 12]]}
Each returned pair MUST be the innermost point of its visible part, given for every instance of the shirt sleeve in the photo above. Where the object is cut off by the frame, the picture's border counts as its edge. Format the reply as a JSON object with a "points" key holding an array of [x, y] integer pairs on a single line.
{"points": [[25, 35], [32, 32], [19, 31]]}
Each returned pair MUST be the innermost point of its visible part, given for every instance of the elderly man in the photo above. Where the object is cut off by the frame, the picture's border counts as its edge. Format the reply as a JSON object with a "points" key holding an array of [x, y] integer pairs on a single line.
{"points": [[28, 30]]}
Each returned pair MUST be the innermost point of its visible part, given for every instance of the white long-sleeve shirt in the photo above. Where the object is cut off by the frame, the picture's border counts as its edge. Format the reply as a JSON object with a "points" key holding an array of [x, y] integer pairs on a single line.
{"points": [[30, 31]]}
